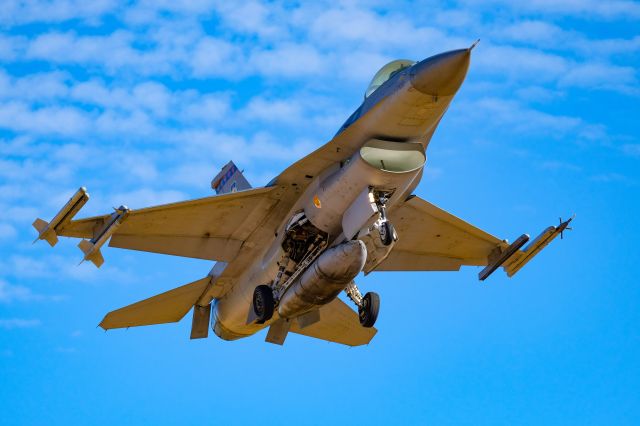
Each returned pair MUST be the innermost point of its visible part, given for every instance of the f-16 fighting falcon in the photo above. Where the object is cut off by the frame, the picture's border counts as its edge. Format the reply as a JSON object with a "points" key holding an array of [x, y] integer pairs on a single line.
{"points": [[284, 252]]}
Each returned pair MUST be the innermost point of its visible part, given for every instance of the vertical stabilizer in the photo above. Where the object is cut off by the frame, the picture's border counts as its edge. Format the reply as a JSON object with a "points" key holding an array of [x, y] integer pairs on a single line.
{"points": [[230, 179]]}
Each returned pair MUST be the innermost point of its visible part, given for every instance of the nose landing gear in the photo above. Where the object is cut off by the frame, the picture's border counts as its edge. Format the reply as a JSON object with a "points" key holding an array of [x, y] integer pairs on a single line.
{"points": [[387, 233], [385, 228]]}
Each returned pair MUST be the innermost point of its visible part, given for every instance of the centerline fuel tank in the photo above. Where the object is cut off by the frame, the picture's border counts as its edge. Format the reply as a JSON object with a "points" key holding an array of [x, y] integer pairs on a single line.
{"points": [[324, 279], [379, 165]]}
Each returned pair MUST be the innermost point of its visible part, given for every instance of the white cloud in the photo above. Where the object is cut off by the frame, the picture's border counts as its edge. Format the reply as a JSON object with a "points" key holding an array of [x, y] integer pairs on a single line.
{"points": [[22, 12], [537, 32], [611, 177], [560, 165], [365, 27], [531, 94], [213, 57], [292, 60], [547, 35], [13, 323], [274, 110], [17, 293], [7, 231], [519, 63], [601, 76], [11, 47], [146, 197], [251, 17], [22, 117], [208, 108], [523, 64], [608, 9], [137, 124], [114, 52], [361, 66], [520, 118], [632, 150]]}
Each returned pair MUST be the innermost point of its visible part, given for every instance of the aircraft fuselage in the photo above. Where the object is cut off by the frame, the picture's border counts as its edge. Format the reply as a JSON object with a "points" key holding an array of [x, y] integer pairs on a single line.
{"points": [[391, 129]]}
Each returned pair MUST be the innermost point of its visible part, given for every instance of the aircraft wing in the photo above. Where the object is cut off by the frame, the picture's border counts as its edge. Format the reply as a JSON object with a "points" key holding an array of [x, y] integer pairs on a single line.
{"points": [[431, 239], [338, 323], [212, 228]]}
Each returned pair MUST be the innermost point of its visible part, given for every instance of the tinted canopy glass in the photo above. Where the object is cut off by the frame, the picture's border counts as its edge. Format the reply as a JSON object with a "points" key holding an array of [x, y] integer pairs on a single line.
{"points": [[386, 73]]}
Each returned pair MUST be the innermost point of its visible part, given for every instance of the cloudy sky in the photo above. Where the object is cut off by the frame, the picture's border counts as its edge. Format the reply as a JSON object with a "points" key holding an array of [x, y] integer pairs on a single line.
{"points": [[143, 102]]}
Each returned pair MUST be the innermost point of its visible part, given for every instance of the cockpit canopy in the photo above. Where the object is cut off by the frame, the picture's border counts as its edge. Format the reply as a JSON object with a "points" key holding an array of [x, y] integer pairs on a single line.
{"points": [[386, 73]]}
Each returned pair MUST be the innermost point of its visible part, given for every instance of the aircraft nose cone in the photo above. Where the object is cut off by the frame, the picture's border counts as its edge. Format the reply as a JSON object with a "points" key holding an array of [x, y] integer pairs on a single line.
{"points": [[441, 74]]}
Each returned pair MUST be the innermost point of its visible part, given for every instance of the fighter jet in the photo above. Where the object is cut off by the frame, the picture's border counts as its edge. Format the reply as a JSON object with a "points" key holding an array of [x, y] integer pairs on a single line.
{"points": [[284, 252]]}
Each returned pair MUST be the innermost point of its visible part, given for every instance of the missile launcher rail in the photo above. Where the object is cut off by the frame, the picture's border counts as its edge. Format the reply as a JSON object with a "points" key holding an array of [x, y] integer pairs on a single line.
{"points": [[49, 231], [513, 259]]}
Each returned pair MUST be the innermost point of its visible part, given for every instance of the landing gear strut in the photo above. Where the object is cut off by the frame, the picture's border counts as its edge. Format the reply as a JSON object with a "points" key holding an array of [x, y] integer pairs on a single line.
{"points": [[263, 303], [385, 228], [368, 305]]}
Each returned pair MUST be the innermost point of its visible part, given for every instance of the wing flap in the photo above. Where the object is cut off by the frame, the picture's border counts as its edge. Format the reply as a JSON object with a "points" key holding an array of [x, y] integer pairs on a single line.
{"points": [[338, 323], [219, 249], [170, 306], [399, 260]]}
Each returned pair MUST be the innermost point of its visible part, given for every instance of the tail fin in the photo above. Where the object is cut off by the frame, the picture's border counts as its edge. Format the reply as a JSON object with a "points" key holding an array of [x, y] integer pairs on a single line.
{"points": [[44, 233], [91, 254], [230, 179]]}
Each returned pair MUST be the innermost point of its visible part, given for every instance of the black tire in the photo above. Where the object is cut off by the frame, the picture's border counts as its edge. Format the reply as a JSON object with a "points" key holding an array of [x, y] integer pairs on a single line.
{"points": [[263, 303], [386, 233], [368, 312]]}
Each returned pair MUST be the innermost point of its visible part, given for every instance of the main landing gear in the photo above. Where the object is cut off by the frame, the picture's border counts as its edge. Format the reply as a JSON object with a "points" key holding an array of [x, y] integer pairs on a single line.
{"points": [[368, 305], [263, 303]]}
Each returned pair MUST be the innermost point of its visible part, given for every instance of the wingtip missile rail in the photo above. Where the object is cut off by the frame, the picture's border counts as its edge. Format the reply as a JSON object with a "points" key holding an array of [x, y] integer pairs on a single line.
{"points": [[513, 259], [91, 248], [503, 256], [47, 230], [536, 246]]}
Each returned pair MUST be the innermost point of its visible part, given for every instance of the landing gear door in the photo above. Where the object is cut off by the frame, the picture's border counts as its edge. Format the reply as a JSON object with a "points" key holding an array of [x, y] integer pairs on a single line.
{"points": [[377, 251], [359, 213]]}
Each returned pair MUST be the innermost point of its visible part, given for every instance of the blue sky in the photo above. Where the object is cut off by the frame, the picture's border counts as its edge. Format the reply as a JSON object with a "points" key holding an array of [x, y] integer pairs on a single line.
{"points": [[143, 102]]}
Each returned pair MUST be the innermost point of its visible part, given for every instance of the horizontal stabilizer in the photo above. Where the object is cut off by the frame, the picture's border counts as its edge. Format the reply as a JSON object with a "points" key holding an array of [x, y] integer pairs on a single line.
{"points": [[338, 323], [167, 307]]}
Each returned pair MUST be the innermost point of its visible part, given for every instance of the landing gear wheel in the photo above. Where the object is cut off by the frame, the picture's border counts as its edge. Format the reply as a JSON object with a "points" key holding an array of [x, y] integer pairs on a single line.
{"points": [[263, 303], [368, 310], [386, 232]]}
